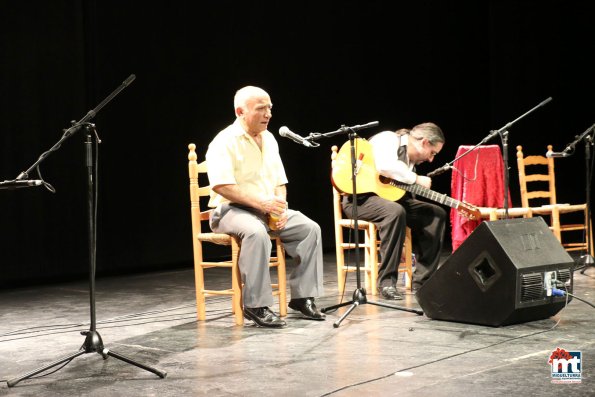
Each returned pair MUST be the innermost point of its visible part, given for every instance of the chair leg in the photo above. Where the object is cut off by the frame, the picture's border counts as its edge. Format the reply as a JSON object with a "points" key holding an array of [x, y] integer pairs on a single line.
{"points": [[373, 260], [589, 229], [341, 273], [282, 279], [493, 214], [368, 276], [199, 285], [556, 223], [199, 281], [590, 242], [236, 284], [408, 260]]}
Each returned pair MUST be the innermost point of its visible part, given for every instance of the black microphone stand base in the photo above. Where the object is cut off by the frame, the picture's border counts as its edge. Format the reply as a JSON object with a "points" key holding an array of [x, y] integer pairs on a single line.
{"points": [[359, 298], [93, 344], [585, 262]]}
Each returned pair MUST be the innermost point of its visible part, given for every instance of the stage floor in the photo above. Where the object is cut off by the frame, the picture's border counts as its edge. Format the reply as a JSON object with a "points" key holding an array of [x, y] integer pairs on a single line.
{"points": [[376, 351]]}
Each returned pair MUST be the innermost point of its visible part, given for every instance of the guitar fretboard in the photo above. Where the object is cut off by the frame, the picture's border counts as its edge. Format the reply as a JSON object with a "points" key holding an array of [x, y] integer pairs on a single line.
{"points": [[427, 193]]}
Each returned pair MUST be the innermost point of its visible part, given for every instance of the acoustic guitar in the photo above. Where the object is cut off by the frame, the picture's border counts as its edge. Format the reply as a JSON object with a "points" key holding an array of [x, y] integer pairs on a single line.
{"points": [[368, 180]]}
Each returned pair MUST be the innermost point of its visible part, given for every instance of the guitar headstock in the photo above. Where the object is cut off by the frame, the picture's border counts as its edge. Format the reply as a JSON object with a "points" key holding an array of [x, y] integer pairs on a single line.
{"points": [[469, 211]]}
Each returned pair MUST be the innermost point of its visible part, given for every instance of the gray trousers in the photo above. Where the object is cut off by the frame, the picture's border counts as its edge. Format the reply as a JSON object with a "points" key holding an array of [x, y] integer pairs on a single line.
{"points": [[301, 239]]}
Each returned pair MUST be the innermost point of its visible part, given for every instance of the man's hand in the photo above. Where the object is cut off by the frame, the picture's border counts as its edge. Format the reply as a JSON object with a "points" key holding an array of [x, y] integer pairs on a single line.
{"points": [[273, 204], [424, 181], [276, 207]]}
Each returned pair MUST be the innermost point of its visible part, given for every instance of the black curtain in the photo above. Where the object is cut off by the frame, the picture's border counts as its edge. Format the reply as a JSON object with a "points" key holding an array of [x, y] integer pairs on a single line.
{"points": [[469, 66]]}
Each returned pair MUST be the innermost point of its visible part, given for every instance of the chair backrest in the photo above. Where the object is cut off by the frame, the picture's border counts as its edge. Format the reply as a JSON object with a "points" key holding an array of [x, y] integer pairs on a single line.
{"points": [[337, 211], [340, 220], [537, 178], [197, 171]]}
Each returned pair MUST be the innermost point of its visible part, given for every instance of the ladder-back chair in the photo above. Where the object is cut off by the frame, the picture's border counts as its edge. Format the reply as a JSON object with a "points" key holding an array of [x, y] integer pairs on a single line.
{"points": [[370, 246], [537, 181], [197, 173]]}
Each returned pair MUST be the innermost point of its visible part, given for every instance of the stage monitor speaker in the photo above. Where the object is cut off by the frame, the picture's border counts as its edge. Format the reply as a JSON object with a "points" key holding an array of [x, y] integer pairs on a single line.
{"points": [[502, 274]]}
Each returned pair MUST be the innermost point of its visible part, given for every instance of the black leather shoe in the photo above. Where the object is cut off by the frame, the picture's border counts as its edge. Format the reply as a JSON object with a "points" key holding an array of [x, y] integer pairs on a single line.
{"points": [[390, 293], [307, 307], [264, 317]]}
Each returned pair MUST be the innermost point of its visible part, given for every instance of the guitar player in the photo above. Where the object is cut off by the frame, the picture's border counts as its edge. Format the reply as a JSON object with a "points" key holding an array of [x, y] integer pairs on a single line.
{"points": [[395, 156]]}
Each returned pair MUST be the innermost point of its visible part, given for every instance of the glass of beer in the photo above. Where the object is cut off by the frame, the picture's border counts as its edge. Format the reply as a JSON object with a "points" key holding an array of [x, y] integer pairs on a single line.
{"points": [[274, 218]]}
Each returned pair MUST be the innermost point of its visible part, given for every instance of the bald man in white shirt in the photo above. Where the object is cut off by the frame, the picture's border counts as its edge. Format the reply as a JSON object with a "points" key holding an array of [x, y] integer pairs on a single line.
{"points": [[248, 183]]}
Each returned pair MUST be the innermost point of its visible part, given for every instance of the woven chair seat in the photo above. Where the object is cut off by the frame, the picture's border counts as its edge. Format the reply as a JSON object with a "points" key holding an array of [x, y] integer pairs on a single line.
{"points": [[215, 238]]}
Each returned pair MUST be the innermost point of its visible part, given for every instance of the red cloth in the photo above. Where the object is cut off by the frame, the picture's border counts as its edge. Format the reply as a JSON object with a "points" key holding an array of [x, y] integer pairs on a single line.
{"points": [[477, 179]]}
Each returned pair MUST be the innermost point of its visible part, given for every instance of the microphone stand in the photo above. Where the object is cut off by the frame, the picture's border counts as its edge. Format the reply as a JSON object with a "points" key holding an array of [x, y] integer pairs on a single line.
{"points": [[449, 166], [93, 342], [359, 295], [587, 260], [503, 132]]}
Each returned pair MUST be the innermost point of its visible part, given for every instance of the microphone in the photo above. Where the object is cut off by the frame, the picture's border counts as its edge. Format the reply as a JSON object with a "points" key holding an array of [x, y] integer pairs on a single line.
{"points": [[439, 171], [287, 133], [129, 80], [19, 183], [549, 154]]}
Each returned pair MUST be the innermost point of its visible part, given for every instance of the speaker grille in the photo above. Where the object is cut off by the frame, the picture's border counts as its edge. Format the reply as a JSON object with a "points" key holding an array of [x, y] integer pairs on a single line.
{"points": [[531, 287], [564, 275]]}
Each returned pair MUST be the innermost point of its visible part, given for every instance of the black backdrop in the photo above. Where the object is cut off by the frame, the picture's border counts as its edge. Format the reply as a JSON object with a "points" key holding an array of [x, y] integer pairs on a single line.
{"points": [[470, 66]]}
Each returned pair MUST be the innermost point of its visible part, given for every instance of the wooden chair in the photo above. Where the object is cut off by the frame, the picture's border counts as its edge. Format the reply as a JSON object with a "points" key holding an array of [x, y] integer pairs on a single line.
{"points": [[537, 181], [369, 246], [198, 191]]}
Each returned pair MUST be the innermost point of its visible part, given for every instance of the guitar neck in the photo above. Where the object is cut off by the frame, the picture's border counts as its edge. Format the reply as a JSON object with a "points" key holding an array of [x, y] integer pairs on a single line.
{"points": [[428, 193]]}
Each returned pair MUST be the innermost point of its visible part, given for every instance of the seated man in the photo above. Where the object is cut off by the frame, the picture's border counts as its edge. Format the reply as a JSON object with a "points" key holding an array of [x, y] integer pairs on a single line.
{"points": [[248, 181], [395, 156]]}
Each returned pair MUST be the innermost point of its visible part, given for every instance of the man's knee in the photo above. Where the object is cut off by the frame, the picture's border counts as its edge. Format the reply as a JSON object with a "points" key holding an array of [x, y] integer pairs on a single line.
{"points": [[258, 235], [394, 211]]}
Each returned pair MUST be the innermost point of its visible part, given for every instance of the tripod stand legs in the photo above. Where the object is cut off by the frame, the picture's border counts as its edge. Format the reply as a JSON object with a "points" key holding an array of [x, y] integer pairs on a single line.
{"points": [[359, 298], [93, 344], [14, 381]]}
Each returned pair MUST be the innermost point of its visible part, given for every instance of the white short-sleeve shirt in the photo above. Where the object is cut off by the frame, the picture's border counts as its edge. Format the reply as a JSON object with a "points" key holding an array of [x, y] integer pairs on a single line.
{"points": [[234, 158]]}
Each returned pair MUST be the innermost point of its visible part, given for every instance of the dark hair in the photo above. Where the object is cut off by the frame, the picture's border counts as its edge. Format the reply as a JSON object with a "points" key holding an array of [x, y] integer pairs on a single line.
{"points": [[430, 131]]}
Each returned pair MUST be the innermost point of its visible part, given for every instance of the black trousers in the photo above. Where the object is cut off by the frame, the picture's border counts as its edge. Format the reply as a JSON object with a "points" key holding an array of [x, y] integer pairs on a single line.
{"points": [[426, 220]]}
